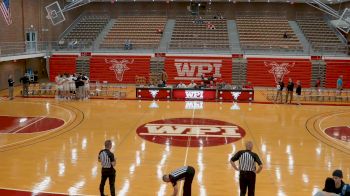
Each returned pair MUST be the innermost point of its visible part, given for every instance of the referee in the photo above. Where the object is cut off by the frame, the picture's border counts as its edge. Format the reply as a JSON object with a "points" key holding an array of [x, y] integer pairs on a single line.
{"points": [[185, 173], [247, 169], [106, 157]]}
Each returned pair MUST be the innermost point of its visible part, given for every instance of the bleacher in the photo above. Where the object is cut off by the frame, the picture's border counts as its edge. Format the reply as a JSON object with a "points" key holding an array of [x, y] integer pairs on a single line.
{"points": [[86, 30], [335, 68], [319, 34], [266, 33], [140, 30], [190, 35]]}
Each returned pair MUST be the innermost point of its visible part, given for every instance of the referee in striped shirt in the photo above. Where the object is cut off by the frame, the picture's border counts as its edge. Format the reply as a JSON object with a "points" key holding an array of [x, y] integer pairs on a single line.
{"points": [[106, 157], [247, 169], [185, 173]]}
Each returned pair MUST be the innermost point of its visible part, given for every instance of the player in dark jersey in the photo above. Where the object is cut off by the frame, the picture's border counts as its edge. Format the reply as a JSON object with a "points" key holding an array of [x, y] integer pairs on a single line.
{"points": [[185, 173]]}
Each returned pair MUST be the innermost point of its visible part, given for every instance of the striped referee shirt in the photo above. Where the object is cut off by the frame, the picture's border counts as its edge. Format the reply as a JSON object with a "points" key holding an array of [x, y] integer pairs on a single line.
{"points": [[106, 157], [178, 174], [247, 160]]}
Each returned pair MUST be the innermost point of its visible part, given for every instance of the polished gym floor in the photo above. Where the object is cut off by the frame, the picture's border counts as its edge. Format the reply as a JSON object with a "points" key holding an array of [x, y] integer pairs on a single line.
{"points": [[51, 146]]}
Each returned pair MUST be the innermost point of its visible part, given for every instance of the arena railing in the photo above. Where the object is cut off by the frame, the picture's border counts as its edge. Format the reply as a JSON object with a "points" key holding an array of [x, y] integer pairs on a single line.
{"points": [[23, 48]]}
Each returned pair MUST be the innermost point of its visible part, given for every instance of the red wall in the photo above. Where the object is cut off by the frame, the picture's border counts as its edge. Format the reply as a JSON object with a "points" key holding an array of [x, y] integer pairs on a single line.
{"points": [[258, 70], [60, 64], [220, 65], [334, 69], [101, 68]]}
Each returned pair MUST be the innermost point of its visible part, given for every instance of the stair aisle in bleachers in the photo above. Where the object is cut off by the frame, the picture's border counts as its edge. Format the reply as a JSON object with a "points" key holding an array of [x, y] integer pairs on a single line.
{"points": [[166, 38]]}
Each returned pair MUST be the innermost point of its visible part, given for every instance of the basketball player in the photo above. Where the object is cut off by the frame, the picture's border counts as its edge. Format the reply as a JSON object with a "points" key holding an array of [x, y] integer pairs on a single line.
{"points": [[185, 173]]}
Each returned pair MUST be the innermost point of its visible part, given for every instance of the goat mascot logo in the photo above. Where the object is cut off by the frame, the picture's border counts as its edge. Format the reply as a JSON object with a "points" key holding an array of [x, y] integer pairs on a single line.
{"points": [[119, 67], [278, 70]]}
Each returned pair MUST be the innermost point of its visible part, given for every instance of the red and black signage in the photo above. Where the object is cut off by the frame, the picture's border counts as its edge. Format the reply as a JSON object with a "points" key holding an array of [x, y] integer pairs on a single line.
{"points": [[236, 95], [189, 68], [153, 93]]}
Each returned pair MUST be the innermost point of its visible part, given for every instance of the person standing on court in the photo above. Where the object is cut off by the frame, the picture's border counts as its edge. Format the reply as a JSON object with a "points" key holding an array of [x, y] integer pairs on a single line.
{"points": [[185, 173], [340, 84], [290, 88], [106, 157], [298, 91], [25, 82], [11, 82], [247, 168], [280, 86]]}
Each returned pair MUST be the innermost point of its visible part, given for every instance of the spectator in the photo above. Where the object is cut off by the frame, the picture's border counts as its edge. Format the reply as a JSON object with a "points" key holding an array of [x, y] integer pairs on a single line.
{"points": [[318, 85], [160, 30], [285, 35], [192, 84], [248, 85], [340, 84], [181, 85], [210, 26], [329, 188], [338, 179]]}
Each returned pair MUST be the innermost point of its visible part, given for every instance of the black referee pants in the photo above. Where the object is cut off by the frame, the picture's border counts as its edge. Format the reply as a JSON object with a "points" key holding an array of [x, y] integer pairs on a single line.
{"points": [[247, 180], [110, 174], [188, 181]]}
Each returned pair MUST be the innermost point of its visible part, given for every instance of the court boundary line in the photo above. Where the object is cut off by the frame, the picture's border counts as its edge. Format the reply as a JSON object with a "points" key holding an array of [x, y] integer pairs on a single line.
{"points": [[228, 101], [328, 142], [49, 130], [29, 142]]}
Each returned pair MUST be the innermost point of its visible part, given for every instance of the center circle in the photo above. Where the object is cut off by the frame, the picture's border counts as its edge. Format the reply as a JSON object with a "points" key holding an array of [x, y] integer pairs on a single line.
{"points": [[190, 132]]}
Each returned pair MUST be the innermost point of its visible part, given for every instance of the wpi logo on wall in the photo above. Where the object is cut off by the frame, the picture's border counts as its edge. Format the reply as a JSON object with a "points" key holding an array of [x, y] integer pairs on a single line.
{"points": [[119, 67], [192, 69], [340, 133], [278, 70], [190, 132]]}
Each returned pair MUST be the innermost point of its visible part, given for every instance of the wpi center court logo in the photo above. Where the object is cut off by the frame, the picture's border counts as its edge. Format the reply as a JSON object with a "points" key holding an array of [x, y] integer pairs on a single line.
{"points": [[190, 132], [193, 69], [278, 70], [119, 67]]}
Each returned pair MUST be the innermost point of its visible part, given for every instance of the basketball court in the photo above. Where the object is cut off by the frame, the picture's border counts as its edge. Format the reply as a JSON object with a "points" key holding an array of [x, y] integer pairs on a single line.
{"points": [[51, 146]]}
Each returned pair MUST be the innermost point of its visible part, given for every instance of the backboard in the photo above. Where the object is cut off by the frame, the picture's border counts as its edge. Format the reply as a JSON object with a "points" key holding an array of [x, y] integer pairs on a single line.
{"points": [[54, 13]]}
